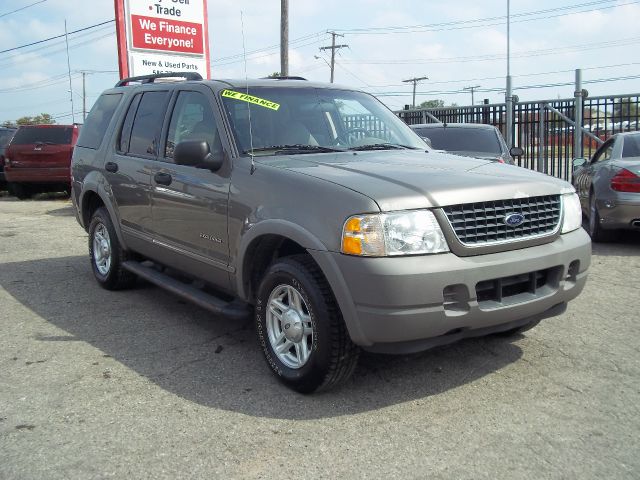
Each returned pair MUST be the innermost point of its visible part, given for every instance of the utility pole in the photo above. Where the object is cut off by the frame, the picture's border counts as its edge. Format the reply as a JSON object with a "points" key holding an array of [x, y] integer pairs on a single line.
{"points": [[472, 89], [415, 82], [284, 38], [333, 49]]}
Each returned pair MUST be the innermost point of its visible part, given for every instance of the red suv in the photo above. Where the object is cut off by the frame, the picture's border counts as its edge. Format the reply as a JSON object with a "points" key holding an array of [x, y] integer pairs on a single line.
{"points": [[38, 159]]}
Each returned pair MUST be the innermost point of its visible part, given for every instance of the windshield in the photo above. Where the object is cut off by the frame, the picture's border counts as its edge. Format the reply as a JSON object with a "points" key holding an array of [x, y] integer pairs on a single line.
{"points": [[5, 137], [51, 135], [631, 146], [312, 120], [456, 139]]}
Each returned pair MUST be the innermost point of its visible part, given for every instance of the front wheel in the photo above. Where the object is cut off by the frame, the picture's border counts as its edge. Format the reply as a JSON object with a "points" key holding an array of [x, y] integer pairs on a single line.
{"points": [[300, 327], [106, 253]]}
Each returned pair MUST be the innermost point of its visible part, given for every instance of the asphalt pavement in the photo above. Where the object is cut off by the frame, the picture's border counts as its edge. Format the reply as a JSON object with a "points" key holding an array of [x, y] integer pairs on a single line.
{"points": [[139, 384]]}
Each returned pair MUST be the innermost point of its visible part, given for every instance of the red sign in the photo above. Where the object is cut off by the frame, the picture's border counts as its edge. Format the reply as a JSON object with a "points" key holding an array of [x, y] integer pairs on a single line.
{"points": [[166, 35], [156, 37]]}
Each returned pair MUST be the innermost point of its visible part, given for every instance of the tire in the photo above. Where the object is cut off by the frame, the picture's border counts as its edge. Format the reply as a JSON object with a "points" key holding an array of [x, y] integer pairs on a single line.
{"points": [[596, 232], [518, 330], [106, 253], [19, 190], [296, 308]]}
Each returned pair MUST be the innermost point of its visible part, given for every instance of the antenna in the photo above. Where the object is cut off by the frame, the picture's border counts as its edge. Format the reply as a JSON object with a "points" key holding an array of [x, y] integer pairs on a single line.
{"points": [[246, 79], [66, 39]]}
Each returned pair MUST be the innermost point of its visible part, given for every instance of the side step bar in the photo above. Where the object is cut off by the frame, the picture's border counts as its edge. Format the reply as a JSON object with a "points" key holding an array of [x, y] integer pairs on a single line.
{"points": [[236, 309]]}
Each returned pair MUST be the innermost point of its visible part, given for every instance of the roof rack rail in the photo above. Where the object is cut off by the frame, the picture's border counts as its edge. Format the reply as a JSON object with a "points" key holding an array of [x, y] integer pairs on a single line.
{"points": [[154, 77], [284, 78]]}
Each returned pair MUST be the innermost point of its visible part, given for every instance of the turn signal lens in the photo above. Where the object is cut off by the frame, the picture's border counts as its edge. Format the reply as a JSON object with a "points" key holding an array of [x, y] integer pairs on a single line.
{"points": [[626, 181]]}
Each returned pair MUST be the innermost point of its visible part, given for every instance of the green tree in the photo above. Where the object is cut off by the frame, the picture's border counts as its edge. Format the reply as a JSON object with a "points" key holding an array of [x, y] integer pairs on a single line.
{"points": [[274, 75], [432, 104], [625, 109], [42, 119]]}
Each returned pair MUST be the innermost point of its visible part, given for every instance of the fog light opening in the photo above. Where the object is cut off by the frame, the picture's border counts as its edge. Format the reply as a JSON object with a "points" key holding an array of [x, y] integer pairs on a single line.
{"points": [[572, 274]]}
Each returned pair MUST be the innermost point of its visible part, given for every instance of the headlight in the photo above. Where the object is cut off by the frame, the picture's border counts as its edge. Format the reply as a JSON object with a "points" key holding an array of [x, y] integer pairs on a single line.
{"points": [[399, 233], [572, 212]]}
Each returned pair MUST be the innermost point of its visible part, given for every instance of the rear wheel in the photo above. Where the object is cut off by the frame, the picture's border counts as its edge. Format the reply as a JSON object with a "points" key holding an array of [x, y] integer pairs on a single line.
{"points": [[20, 190], [106, 253], [596, 232], [300, 327]]}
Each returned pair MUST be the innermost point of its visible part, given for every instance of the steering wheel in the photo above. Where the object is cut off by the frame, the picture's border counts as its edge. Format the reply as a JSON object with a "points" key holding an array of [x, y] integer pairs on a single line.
{"points": [[344, 138]]}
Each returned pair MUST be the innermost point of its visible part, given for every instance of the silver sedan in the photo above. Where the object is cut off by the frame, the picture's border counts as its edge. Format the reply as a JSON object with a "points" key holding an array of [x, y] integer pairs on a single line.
{"points": [[609, 186]]}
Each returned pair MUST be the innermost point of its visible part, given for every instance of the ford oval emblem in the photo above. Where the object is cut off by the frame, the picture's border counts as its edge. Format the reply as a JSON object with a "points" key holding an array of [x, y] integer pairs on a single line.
{"points": [[514, 219]]}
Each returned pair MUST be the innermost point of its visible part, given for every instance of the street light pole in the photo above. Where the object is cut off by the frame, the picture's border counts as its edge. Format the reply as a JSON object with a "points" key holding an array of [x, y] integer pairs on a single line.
{"points": [[509, 93]]}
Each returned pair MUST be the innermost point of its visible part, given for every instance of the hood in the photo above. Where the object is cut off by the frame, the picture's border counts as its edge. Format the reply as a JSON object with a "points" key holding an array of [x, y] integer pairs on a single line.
{"points": [[410, 179]]}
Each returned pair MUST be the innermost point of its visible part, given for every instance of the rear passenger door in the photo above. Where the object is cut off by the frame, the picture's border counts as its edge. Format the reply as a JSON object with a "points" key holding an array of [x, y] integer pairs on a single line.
{"points": [[189, 204], [129, 170]]}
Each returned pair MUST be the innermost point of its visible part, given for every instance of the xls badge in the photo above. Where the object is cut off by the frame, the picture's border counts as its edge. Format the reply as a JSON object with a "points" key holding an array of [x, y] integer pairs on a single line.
{"points": [[514, 219]]}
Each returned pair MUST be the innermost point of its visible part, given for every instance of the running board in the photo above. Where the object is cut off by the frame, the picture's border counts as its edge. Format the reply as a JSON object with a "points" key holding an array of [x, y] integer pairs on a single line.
{"points": [[235, 309]]}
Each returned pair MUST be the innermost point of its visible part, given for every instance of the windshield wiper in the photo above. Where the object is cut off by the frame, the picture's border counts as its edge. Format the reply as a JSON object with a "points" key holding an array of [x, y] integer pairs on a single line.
{"points": [[383, 146], [294, 148]]}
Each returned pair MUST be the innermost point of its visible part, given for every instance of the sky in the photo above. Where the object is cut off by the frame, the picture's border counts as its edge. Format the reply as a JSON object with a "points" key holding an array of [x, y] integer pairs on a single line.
{"points": [[456, 44]]}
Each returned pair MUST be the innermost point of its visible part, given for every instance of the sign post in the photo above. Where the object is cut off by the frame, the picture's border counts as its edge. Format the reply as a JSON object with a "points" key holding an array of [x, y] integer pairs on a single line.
{"points": [[162, 37]]}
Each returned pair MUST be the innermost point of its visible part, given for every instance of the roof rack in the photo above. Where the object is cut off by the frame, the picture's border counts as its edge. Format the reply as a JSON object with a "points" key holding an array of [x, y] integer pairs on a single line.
{"points": [[284, 78], [154, 77]]}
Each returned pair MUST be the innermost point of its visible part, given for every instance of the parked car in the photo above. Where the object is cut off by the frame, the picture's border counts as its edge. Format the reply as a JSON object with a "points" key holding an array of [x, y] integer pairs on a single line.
{"points": [[609, 186], [337, 230], [6, 134], [38, 159], [468, 139]]}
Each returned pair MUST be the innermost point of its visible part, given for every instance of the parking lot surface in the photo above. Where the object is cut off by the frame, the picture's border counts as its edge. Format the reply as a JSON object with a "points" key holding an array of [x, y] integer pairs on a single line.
{"points": [[140, 384]]}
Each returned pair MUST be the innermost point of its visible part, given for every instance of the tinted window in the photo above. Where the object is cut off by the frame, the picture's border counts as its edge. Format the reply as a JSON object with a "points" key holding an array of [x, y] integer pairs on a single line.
{"points": [[462, 139], [147, 123], [125, 133], [192, 119], [5, 137], [98, 120], [50, 135], [631, 146]]}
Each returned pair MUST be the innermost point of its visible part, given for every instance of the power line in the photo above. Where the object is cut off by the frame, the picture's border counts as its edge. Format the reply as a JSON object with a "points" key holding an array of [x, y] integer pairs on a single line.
{"points": [[500, 56], [56, 37], [22, 8], [81, 40], [482, 22]]}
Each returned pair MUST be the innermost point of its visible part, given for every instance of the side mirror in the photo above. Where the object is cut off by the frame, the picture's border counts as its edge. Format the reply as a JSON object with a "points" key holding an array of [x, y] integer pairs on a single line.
{"points": [[516, 151], [196, 153], [578, 162]]}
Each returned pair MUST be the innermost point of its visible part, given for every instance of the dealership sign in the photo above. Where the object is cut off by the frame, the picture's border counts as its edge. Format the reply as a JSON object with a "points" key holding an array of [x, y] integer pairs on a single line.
{"points": [[156, 36]]}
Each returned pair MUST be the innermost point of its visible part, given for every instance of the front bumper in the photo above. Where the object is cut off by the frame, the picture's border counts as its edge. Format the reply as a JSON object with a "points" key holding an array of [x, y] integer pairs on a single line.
{"points": [[396, 304]]}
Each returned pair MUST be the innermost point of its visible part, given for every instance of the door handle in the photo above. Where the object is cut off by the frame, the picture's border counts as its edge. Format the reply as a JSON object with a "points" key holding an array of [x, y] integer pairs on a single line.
{"points": [[111, 167], [162, 178]]}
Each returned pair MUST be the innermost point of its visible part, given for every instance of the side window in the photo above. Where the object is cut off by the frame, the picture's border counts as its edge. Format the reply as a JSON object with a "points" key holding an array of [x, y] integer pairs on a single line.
{"points": [[125, 133], [192, 119], [147, 123], [98, 120]]}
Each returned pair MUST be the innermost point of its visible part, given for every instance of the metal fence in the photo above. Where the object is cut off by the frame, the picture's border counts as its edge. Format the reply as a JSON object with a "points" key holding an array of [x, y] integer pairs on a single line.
{"points": [[544, 129]]}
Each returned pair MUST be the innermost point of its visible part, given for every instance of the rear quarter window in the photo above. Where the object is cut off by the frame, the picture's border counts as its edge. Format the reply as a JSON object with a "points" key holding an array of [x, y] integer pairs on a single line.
{"points": [[97, 122], [50, 135]]}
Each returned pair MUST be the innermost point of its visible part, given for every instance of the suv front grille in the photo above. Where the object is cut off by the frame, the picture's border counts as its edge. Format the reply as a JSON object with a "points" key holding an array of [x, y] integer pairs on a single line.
{"points": [[483, 223]]}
